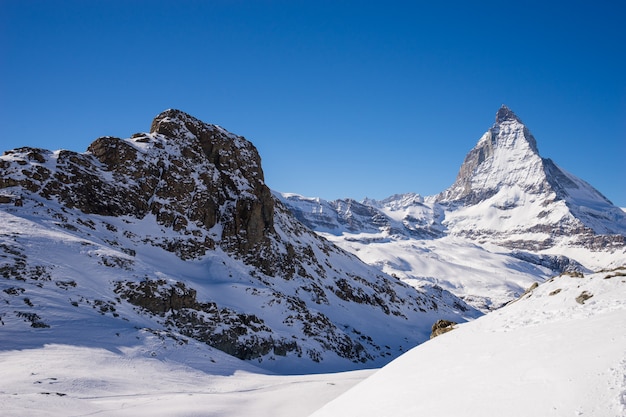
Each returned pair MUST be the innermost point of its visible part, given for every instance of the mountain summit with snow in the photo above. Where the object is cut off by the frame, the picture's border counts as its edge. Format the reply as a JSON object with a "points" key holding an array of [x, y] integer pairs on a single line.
{"points": [[505, 156], [508, 209], [535, 204]]}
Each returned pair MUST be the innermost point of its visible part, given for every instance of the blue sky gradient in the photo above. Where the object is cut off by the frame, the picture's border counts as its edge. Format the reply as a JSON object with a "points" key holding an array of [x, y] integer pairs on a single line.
{"points": [[342, 98]]}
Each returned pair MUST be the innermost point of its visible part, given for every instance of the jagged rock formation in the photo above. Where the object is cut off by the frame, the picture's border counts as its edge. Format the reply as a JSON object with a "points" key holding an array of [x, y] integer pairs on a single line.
{"points": [[175, 231], [188, 174]]}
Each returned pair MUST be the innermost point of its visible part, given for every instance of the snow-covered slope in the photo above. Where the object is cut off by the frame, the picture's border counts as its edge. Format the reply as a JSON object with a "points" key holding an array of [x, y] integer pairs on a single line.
{"points": [[174, 233], [558, 351], [508, 210], [152, 380]]}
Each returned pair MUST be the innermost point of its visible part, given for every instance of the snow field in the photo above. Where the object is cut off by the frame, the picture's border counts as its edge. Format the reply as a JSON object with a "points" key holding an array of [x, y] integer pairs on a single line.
{"points": [[65, 380], [544, 355]]}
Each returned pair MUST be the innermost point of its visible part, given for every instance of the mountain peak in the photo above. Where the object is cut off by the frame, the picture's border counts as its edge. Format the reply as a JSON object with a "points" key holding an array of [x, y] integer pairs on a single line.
{"points": [[505, 156], [505, 173], [505, 114]]}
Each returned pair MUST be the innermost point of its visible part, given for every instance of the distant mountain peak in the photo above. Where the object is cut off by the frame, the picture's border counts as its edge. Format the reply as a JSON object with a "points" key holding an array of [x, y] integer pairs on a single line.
{"points": [[506, 155], [505, 114], [505, 171]]}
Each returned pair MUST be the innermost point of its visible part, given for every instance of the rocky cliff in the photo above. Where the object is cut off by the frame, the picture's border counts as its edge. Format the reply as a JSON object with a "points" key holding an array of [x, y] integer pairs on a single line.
{"points": [[174, 232]]}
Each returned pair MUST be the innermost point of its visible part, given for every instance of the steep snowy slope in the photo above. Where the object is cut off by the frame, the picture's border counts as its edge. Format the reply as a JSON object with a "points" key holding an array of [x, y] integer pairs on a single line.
{"points": [[558, 351], [508, 210], [174, 233]]}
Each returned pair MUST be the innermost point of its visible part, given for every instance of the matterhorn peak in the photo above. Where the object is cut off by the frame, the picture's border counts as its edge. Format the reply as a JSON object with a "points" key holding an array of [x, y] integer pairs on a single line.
{"points": [[509, 131], [506, 177], [506, 155], [505, 114]]}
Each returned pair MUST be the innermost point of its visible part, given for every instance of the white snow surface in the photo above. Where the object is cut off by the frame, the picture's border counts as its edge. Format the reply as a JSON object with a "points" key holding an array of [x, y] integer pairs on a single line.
{"points": [[66, 380], [462, 267], [546, 354], [410, 241]]}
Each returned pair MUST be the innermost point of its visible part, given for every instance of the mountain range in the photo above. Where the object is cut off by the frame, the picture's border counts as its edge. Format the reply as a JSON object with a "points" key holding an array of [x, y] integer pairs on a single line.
{"points": [[168, 246], [508, 210]]}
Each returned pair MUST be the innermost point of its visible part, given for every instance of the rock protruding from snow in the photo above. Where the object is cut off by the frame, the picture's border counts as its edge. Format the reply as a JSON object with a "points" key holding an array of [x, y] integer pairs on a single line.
{"points": [[442, 326]]}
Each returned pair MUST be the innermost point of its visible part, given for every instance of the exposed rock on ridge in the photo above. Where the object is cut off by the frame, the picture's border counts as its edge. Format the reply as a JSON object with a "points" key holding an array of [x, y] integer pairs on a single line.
{"points": [[247, 277]]}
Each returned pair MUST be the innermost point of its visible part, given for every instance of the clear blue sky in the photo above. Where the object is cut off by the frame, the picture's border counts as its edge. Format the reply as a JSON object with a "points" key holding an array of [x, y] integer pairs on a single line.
{"points": [[342, 98]]}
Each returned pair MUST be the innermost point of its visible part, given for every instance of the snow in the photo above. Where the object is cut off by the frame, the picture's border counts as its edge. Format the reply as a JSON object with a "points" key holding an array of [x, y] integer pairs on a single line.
{"points": [[544, 355], [455, 264], [66, 380]]}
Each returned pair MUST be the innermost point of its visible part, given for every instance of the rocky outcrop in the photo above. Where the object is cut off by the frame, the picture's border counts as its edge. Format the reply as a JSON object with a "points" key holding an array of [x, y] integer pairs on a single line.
{"points": [[190, 175], [247, 278], [442, 326], [244, 336]]}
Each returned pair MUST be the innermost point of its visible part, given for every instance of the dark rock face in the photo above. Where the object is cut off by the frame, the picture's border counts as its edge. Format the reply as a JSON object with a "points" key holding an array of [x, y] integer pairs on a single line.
{"points": [[244, 336], [186, 173], [505, 114], [250, 218]]}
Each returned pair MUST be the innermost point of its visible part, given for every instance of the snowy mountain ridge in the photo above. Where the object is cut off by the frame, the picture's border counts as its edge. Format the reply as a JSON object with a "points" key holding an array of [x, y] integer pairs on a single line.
{"points": [[175, 232], [509, 209]]}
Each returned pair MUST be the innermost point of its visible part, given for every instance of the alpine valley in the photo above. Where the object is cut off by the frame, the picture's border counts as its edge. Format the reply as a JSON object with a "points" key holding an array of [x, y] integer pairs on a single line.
{"points": [[159, 275]]}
